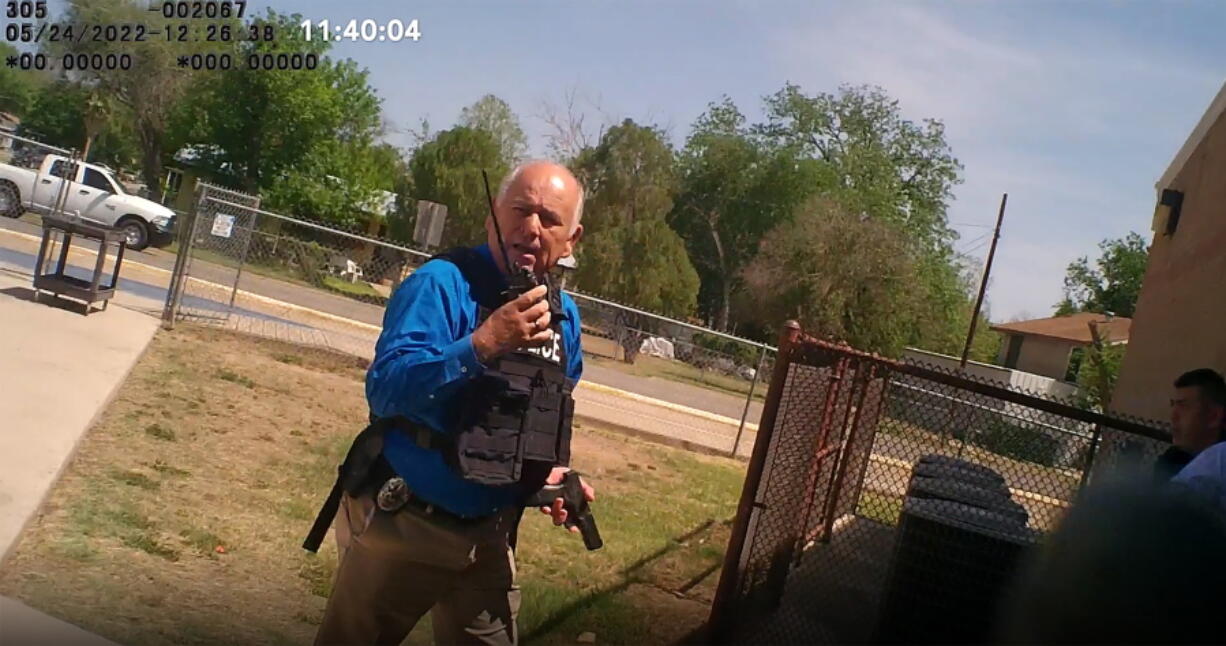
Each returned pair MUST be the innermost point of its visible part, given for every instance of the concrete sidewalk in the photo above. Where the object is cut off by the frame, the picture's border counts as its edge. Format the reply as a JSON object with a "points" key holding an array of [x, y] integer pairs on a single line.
{"points": [[58, 371], [21, 625]]}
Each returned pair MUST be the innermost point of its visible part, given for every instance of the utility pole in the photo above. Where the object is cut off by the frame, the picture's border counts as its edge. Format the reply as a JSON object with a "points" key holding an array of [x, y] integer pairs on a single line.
{"points": [[983, 284]]}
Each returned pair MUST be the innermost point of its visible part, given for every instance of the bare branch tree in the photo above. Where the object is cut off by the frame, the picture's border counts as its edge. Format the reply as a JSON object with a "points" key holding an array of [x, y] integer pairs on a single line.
{"points": [[569, 132]]}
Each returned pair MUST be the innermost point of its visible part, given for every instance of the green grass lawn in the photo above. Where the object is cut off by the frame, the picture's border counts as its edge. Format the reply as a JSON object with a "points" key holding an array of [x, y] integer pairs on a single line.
{"points": [[360, 290], [181, 517]]}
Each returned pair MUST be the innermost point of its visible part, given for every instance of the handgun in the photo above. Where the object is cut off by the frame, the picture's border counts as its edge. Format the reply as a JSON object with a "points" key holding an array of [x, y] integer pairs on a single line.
{"points": [[578, 514]]}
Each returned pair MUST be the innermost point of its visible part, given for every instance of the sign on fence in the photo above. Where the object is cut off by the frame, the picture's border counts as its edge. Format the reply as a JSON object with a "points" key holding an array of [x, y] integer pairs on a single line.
{"points": [[223, 225], [431, 216]]}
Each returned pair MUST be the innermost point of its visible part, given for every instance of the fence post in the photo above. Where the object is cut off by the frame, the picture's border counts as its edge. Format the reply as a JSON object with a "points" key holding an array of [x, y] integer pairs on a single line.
{"points": [[178, 276], [736, 444], [242, 261], [1090, 455], [719, 623]]}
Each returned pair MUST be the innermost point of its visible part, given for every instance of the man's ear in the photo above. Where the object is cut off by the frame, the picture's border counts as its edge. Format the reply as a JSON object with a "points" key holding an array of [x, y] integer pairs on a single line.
{"points": [[1217, 417], [574, 239]]}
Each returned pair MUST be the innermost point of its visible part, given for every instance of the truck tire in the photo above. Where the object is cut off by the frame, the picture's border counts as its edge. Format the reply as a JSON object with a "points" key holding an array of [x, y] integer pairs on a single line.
{"points": [[136, 230], [10, 200]]}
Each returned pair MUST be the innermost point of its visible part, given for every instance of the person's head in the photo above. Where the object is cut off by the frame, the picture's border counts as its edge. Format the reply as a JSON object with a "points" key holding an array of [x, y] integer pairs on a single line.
{"points": [[539, 207], [1198, 410]]}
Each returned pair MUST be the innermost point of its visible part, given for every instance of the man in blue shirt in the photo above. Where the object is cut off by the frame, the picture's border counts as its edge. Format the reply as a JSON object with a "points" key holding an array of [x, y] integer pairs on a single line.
{"points": [[451, 549]]}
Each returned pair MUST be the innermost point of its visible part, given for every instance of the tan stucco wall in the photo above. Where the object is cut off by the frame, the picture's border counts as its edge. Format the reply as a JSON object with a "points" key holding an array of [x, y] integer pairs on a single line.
{"points": [[1047, 357], [1180, 322]]}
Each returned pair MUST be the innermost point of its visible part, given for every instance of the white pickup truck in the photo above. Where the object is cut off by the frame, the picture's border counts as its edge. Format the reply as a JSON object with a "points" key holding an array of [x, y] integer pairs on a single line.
{"points": [[93, 194]]}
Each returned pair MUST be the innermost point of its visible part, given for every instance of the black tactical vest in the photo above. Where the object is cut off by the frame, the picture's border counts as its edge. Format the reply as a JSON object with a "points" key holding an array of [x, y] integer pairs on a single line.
{"points": [[516, 425]]}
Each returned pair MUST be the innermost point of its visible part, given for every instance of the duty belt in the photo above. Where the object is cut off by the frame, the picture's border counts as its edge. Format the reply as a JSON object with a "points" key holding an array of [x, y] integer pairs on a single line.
{"points": [[365, 471]]}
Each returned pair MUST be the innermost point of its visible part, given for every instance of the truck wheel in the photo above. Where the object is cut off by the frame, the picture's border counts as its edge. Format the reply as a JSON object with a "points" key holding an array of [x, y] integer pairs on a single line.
{"points": [[135, 230], [10, 200]]}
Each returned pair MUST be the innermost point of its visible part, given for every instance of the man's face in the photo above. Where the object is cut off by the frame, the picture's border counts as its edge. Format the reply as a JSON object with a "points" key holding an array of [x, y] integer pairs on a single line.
{"points": [[537, 218], [1195, 422]]}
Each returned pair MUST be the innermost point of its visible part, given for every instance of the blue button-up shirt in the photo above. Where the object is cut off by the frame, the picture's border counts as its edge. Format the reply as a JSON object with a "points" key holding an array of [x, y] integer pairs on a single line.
{"points": [[423, 358]]}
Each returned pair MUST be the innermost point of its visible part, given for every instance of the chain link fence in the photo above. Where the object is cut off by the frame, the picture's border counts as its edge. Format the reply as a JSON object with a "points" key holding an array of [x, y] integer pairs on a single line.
{"points": [[892, 501], [263, 272]]}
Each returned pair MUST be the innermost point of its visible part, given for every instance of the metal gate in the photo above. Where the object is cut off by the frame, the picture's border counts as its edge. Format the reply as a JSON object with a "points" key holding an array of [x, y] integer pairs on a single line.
{"points": [[817, 552], [218, 231]]}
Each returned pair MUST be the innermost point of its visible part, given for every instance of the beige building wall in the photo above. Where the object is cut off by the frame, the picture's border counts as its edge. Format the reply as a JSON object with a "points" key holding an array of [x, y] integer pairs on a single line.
{"points": [[1180, 322], [1043, 356]]}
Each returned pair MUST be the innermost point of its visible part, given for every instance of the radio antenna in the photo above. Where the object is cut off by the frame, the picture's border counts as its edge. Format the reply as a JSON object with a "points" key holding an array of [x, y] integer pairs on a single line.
{"points": [[497, 229]]}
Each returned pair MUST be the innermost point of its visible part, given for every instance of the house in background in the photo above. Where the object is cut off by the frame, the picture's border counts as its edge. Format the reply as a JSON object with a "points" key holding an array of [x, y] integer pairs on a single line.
{"points": [[1052, 347], [1180, 319]]}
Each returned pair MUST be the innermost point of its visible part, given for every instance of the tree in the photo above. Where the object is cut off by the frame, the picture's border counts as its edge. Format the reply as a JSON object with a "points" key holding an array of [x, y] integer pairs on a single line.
{"points": [[643, 264], [568, 134], [260, 124], [447, 170], [336, 182], [630, 254], [875, 161], [149, 89], [58, 117], [1098, 371], [734, 188], [1113, 284], [843, 276], [494, 116], [98, 111], [18, 89]]}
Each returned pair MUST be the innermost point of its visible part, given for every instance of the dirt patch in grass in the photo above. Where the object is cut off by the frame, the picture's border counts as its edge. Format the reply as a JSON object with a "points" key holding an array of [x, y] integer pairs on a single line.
{"points": [[181, 518]]}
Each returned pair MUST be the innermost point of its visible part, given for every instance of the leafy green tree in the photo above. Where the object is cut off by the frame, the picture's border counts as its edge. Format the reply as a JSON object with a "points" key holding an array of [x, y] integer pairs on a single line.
{"points": [[874, 161], [338, 182], [630, 254], [494, 116], [260, 124], [149, 91], [843, 276], [1112, 284], [1098, 371], [734, 187], [58, 117], [18, 88], [306, 139], [447, 170], [643, 264]]}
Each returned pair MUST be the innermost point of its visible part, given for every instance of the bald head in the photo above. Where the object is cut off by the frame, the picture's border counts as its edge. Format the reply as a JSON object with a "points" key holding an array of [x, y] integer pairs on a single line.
{"points": [[539, 208]]}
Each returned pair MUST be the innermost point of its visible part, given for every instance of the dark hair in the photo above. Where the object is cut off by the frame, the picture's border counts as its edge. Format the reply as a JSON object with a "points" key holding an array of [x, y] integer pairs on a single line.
{"points": [[1210, 383]]}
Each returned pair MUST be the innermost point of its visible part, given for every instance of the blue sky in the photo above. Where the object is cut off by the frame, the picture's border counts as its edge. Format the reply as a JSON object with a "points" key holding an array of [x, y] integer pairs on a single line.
{"points": [[1073, 108]]}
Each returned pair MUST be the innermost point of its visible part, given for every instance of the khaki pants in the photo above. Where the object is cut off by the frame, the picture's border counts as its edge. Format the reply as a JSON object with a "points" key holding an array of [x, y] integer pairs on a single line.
{"points": [[396, 567]]}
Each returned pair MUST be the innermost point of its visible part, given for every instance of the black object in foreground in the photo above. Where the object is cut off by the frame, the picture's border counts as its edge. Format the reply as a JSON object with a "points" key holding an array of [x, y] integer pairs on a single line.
{"points": [[578, 514]]}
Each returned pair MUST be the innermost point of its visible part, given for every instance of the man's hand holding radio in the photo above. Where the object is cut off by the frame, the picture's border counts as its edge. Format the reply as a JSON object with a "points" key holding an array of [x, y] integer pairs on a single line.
{"points": [[523, 322]]}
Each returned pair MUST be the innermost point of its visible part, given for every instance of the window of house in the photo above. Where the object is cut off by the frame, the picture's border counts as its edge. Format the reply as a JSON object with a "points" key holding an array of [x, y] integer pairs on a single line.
{"points": [[1014, 351]]}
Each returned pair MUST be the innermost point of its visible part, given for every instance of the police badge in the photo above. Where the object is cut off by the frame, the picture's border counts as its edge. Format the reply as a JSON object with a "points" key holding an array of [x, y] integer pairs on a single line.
{"points": [[393, 494]]}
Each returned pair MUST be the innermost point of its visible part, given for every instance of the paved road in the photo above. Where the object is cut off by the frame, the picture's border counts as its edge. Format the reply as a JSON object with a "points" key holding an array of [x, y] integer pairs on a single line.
{"points": [[151, 286], [310, 298], [712, 401]]}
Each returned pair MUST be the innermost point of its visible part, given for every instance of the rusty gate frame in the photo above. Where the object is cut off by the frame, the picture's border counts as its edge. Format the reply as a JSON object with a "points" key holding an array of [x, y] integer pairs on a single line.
{"points": [[721, 621]]}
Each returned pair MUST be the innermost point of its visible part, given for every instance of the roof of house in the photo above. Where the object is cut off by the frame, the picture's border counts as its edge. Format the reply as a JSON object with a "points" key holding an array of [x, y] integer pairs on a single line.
{"points": [[1074, 327], [1216, 109]]}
